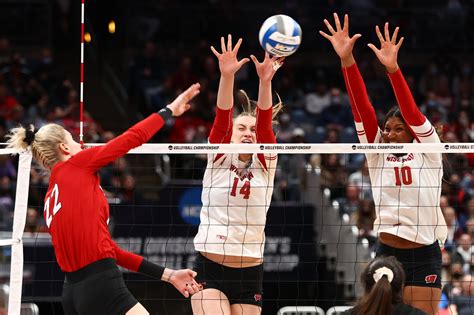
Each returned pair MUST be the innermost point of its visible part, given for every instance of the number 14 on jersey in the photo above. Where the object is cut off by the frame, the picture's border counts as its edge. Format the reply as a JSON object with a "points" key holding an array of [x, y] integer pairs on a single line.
{"points": [[244, 190]]}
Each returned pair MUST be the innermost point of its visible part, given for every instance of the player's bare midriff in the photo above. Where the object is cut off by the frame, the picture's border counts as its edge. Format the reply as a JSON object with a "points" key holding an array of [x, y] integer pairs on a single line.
{"points": [[398, 242], [233, 261]]}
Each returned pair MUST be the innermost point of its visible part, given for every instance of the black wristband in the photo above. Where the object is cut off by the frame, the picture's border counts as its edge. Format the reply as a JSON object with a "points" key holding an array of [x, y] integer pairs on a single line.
{"points": [[165, 113], [151, 269]]}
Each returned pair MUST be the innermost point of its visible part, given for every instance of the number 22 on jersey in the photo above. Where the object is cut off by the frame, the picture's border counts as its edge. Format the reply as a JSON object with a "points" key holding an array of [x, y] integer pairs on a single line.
{"points": [[244, 190], [57, 205]]}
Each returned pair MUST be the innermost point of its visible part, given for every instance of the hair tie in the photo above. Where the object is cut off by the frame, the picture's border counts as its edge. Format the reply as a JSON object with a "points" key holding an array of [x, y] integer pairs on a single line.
{"points": [[383, 271], [29, 136]]}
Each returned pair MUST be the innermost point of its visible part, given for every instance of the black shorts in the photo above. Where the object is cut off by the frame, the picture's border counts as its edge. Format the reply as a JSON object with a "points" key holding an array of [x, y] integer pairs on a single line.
{"points": [[97, 288], [240, 285], [422, 265]]}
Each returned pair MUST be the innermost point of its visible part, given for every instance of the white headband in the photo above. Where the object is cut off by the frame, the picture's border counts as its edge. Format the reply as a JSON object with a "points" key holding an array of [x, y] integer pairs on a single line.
{"points": [[383, 271]]}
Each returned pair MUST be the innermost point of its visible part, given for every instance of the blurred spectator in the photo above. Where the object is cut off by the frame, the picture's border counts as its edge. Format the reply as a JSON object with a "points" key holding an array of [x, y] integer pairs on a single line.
{"points": [[454, 281], [46, 70], [7, 103], [38, 186], [462, 304], [364, 219], [318, 98], [284, 129], [464, 251], [470, 227], [38, 111], [6, 193], [186, 127], [361, 179], [5, 51], [111, 176], [3, 129], [17, 116], [350, 203], [146, 73], [184, 76], [333, 175], [446, 260], [453, 190], [128, 193], [34, 222], [454, 228], [6, 167], [291, 173], [338, 114], [470, 208]]}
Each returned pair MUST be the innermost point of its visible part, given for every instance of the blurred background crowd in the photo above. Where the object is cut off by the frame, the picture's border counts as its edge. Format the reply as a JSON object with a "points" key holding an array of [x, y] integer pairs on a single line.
{"points": [[155, 49]]}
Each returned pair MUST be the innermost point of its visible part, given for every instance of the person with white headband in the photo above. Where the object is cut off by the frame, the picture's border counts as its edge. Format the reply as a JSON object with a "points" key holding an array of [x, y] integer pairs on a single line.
{"points": [[383, 281]]}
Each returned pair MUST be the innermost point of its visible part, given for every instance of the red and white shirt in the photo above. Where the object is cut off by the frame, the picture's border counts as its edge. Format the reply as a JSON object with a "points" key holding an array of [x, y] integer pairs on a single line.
{"points": [[236, 195], [406, 189], [76, 209]]}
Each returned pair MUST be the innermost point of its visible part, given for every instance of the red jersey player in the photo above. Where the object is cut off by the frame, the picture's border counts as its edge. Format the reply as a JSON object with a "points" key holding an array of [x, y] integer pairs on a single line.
{"points": [[76, 212], [406, 187]]}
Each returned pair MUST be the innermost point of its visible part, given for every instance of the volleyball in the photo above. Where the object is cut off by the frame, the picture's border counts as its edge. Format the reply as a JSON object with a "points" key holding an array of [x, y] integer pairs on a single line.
{"points": [[280, 35]]}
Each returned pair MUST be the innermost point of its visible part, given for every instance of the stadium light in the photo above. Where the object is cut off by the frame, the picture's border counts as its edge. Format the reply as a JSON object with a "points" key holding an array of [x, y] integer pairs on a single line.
{"points": [[87, 37], [112, 27]]}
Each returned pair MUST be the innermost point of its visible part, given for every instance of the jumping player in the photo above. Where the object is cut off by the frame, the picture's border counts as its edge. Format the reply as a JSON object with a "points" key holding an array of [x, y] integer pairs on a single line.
{"points": [[406, 187], [237, 191], [76, 212]]}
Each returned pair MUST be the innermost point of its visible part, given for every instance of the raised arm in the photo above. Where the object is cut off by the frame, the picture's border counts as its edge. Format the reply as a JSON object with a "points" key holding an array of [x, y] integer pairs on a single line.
{"points": [[362, 110], [221, 131], [265, 70], [97, 157], [421, 128]]}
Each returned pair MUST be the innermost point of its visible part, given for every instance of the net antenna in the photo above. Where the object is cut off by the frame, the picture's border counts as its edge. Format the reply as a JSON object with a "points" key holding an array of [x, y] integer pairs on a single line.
{"points": [[81, 92]]}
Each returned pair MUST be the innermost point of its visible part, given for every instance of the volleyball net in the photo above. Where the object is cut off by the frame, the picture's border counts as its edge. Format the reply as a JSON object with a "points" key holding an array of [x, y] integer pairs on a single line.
{"points": [[319, 228]]}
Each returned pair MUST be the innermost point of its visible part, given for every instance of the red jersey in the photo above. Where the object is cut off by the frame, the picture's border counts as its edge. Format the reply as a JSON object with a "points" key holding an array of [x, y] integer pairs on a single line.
{"points": [[76, 209]]}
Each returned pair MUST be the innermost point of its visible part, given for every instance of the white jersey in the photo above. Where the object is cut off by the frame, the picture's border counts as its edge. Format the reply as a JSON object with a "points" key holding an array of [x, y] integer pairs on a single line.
{"points": [[407, 189], [235, 197]]}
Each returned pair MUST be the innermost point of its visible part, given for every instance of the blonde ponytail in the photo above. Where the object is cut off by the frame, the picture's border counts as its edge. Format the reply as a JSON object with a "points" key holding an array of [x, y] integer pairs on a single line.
{"points": [[43, 143], [17, 138]]}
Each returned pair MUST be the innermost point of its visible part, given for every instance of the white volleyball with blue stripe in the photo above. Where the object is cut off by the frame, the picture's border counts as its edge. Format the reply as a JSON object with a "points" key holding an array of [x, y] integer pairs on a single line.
{"points": [[280, 35]]}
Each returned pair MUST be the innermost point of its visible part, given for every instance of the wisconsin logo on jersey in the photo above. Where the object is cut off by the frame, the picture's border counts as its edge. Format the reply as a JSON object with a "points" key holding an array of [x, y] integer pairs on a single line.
{"points": [[221, 237], [257, 297], [431, 278], [243, 174]]}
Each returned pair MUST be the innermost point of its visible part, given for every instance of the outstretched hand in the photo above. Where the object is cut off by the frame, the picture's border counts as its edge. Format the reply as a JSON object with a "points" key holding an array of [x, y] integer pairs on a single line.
{"points": [[183, 280], [228, 63], [342, 43], [388, 52], [268, 67], [181, 104]]}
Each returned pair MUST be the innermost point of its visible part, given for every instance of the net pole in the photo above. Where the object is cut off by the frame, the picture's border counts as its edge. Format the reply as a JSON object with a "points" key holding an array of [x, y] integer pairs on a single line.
{"points": [[19, 219], [81, 91]]}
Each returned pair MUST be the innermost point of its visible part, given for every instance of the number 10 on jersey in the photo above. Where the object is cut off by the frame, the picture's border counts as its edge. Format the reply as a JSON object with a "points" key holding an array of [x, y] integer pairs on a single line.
{"points": [[244, 190], [403, 175]]}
